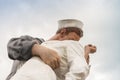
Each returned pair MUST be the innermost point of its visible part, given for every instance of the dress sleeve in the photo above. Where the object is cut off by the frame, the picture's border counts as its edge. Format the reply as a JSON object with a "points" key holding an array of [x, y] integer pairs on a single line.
{"points": [[78, 68], [20, 48]]}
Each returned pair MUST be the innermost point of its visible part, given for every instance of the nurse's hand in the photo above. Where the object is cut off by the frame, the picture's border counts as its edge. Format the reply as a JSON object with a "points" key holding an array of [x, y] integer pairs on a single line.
{"points": [[90, 48]]}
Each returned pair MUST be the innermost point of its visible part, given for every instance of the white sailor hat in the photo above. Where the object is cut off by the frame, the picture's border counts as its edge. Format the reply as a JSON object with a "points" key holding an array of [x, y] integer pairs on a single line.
{"points": [[70, 23]]}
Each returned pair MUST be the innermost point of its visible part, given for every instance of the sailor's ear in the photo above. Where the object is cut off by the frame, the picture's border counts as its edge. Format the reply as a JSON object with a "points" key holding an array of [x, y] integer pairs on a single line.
{"points": [[63, 32]]}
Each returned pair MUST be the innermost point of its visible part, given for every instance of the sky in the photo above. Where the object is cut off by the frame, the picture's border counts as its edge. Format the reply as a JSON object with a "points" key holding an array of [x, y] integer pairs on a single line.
{"points": [[38, 18]]}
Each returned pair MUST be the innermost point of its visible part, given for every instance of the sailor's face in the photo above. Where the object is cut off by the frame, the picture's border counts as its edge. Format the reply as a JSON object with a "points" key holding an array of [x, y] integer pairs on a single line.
{"points": [[71, 36]]}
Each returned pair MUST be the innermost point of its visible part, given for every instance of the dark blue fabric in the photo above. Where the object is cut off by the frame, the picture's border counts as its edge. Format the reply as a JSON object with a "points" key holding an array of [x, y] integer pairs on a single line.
{"points": [[19, 49]]}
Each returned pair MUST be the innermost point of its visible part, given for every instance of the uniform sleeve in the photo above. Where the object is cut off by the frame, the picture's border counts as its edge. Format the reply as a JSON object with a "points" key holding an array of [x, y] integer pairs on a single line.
{"points": [[14, 69], [78, 68], [20, 48]]}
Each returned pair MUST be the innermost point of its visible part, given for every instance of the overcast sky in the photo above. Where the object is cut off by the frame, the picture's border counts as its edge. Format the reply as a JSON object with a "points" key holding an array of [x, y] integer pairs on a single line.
{"points": [[38, 18]]}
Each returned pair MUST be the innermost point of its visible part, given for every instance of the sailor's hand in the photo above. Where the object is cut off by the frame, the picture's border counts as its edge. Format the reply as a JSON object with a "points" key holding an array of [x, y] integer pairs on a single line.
{"points": [[51, 58], [47, 55]]}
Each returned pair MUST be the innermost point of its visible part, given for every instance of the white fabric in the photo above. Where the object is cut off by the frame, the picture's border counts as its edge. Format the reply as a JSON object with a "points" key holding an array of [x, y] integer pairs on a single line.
{"points": [[70, 23], [72, 67]]}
